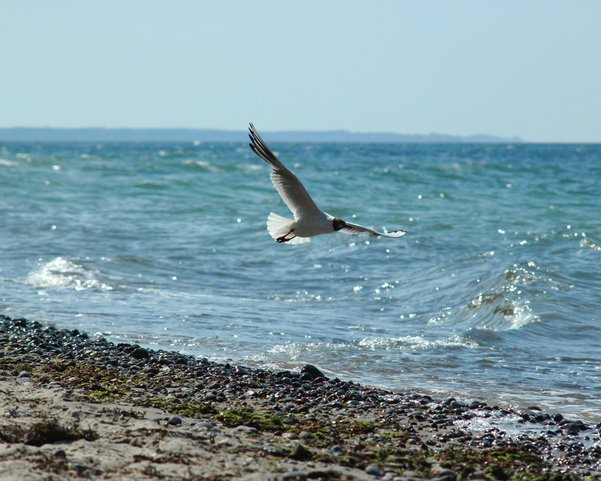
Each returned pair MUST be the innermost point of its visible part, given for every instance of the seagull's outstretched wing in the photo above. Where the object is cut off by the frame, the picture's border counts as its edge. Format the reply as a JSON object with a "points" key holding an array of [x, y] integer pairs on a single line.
{"points": [[291, 189], [359, 229]]}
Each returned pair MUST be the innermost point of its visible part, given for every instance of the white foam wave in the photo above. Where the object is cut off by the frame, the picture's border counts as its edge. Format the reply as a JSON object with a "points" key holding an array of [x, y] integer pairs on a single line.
{"points": [[7, 163], [61, 273], [295, 351], [520, 315], [415, 343], [202, 164]]}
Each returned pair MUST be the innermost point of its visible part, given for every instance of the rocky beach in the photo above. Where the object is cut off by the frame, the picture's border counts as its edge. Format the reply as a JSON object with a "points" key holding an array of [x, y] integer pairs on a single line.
{"points": [[75, 406]]}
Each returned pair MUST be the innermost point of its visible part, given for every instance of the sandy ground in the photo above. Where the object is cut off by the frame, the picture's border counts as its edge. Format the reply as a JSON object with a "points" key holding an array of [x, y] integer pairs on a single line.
{"points": [[137, 443]]}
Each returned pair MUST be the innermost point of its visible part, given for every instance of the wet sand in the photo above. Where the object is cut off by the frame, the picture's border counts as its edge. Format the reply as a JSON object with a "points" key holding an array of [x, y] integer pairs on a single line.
{"points": [[79, 407]]}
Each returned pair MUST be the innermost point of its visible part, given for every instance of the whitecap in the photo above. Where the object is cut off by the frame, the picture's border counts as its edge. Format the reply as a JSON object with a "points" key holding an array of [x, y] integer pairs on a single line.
{"points": [[7, 163], [295, 350], [520, 315], [415, 343], [202, 164], [250, 167], [61, 273]]}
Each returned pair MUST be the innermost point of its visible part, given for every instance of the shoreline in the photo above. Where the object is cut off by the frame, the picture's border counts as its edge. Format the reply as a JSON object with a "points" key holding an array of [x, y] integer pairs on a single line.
{"points": [[77, 406]]}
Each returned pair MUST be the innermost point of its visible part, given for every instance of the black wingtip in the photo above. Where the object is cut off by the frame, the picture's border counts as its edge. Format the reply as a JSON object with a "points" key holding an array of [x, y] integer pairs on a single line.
{"points": [[252, 133]]}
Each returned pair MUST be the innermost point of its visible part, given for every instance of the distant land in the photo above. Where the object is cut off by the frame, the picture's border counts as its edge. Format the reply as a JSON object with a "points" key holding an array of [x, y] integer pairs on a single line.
{"points": [[43, 134]]}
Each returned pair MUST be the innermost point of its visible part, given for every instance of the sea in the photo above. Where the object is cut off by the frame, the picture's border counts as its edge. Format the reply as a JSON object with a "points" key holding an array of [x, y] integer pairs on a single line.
{"points": [[494, 294]]}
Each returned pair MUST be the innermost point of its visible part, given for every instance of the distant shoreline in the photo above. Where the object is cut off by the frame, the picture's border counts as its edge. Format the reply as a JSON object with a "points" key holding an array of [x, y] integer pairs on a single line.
{"points": [[47, 134]]}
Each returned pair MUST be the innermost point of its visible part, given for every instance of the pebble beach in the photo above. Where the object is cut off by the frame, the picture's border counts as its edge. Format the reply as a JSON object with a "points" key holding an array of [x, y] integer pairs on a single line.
{"points": [[75, 406]]}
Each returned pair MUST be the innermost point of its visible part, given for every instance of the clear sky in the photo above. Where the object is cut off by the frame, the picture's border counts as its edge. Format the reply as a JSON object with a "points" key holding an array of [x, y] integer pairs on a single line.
{"points": [[508, 67]]}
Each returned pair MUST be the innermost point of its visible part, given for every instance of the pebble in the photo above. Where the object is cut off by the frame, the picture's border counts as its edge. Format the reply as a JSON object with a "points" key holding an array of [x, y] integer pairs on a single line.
{"points": [[60, 454], [208, 425], [374, 470], [301, 453], [311, 371], [337, 450], [245, 429], [295, 476], [79, 467], [140, 353], [275, 451], [175, 421], [442, 474]]}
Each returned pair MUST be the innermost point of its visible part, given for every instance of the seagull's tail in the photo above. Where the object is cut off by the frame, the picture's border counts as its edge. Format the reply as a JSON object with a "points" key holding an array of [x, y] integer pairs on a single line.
{"points": [[279, 226]]}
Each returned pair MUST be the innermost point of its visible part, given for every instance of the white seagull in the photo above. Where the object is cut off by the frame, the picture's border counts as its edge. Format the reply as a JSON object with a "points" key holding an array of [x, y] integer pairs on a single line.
{"points": [[309, 220]]}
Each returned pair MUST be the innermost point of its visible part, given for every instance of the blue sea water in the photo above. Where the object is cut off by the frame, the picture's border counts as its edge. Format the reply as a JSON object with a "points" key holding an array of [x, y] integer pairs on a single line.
{"points": [[494, 293]]}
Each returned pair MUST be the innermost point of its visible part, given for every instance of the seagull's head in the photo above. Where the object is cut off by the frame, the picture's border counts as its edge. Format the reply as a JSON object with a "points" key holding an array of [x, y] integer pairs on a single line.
{"points": [[338, 224]]}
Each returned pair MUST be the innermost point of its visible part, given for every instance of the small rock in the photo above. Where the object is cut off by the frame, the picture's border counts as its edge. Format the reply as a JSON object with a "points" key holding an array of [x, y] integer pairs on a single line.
{"points": [[140, 353], [79, 467], [443, 474], [275, 451], [337, 450], [374, 470], [575, 427], [301, 453], [418, 416], [24, 374], [245, 429], [60, 454], [295, 476], [312, 371], [175, 421], [206, 425]]}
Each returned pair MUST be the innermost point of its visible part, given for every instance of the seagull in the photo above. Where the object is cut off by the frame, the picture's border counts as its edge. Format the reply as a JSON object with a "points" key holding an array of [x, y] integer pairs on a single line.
{"points": [[309, 220]]}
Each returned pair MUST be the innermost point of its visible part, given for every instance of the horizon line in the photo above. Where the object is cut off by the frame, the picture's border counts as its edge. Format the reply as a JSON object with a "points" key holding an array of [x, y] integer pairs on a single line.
{"points": [[368, 136], [29, 132]]}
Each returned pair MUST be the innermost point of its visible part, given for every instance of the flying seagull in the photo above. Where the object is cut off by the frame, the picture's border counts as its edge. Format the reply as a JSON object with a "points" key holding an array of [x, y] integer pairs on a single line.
{"points": [[309, 220]]}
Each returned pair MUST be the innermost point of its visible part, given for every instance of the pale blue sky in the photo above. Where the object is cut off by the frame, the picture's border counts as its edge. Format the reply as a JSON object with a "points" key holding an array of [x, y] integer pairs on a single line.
{"points": [[527, 68]]}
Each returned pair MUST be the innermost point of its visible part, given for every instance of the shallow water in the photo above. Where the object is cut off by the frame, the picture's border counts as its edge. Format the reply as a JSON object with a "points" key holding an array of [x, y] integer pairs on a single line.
{"points": [[493, 294]]}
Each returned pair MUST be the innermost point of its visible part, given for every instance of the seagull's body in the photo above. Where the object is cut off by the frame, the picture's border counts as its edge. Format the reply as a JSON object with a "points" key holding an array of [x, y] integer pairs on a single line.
{"points": [[309, 220]]}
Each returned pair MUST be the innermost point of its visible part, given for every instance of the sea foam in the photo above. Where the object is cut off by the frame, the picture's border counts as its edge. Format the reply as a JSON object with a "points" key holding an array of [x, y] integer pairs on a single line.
{"points": [[61, 273]]}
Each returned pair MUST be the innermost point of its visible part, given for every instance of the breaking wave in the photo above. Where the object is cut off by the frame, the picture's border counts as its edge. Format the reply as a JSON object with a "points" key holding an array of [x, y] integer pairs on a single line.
{"points": [[61, 273]]}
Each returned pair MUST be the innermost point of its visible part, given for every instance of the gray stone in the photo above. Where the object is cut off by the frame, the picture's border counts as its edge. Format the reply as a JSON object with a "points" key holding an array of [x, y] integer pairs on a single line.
{"points": [[295, 476], [373, 470], [175, 421], [245, 429]]}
